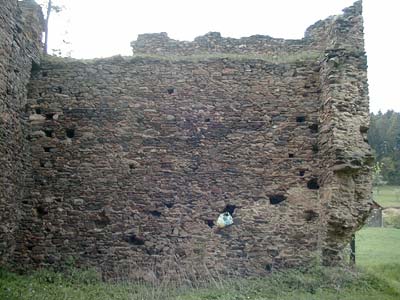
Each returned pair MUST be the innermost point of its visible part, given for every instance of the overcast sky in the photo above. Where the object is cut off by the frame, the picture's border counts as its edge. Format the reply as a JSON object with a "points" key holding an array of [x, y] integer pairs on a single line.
{"points": [[100, 28]]}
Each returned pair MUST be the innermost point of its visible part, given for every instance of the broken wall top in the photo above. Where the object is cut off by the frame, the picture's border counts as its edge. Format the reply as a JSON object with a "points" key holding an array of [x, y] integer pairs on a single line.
{"points": [[342, 31]]}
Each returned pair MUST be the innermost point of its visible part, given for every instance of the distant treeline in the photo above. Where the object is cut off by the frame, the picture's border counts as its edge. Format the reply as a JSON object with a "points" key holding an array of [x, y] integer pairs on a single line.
{"points": [[384, 138]]}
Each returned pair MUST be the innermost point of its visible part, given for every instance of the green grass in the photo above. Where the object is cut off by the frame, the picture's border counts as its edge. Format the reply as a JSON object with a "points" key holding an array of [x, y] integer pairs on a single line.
{"points": [[378, 246], [75, 285], [377, 277], [378, 252], [317, 283], [314, 283], [387, 195]]}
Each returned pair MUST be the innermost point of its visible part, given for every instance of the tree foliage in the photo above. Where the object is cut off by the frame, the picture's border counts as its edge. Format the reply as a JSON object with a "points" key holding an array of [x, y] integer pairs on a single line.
{"points": [[384, 138]]}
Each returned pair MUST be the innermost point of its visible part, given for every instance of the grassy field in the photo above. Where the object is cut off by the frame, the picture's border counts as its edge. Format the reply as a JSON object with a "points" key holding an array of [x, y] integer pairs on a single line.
{"points": [[315, 283], [378, 246], [377, 278], [387, 195], [378, 252]]}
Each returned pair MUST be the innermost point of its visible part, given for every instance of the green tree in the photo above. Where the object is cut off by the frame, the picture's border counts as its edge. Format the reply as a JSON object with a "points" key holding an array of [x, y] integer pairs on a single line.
{"points": [[384, 138]]}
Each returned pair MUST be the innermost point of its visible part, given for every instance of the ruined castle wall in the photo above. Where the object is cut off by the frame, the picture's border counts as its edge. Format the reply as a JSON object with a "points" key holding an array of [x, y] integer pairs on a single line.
{"points": [[20, 33], [214, 43], [316, 40], [344, 150], [126, 163], [135, 158]]}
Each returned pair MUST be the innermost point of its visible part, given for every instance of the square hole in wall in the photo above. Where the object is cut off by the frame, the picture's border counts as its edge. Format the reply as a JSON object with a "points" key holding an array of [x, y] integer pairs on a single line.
{"points": [[210, 223], [300, 119], [276, 199], [310, 215], [48, 132], [313, 128], [70, 132], [49, 116], [155, 213], [169, 204], [41, 211], [135, 240], [230, 208], [312, 184]]}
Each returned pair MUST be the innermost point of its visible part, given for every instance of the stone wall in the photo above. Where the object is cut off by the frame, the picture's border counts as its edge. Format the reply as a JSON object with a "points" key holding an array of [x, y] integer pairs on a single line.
{"points": [[212, 42], [317, 39], [131, 160], [134, 159], [344, 119], [20, 34]]}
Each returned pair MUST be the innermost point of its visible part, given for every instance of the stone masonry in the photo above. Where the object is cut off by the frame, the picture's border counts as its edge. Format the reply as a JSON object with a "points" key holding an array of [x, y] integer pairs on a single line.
{"points": [[125, 163], [20, 47]]}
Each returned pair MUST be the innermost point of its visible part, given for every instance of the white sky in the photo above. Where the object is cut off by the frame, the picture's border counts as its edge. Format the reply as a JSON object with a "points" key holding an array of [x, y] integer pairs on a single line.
{"points": [[100, 28]]}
